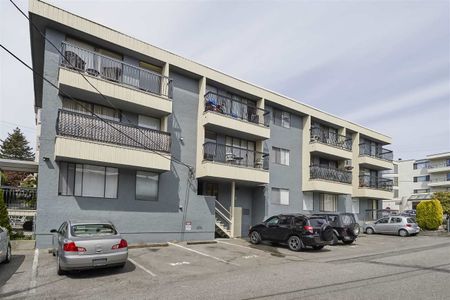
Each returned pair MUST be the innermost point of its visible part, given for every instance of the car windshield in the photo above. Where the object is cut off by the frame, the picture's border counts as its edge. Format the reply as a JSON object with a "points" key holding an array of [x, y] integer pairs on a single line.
{"points": [[93, 230], [317, 222]]}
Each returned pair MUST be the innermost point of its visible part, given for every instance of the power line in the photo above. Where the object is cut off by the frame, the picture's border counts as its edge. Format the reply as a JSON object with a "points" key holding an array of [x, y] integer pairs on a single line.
{"points": [[190, 168]]}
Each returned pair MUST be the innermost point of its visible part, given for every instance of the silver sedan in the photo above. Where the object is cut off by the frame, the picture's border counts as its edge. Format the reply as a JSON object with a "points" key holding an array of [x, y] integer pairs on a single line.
{"points": [[80, 245], [5, 246], [399, 225]]}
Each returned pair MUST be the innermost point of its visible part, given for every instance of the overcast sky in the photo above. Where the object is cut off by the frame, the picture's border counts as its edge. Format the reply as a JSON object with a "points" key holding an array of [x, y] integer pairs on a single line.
{"points": [[381, 64]]}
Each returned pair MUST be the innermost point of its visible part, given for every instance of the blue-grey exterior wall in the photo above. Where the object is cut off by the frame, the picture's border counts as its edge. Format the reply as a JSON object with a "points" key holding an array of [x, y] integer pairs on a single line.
{"points": [[138, 221]]}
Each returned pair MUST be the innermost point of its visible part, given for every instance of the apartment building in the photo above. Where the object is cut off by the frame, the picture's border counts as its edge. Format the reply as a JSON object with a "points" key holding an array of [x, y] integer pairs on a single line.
{"points": [[417, 180], [173, 150]]}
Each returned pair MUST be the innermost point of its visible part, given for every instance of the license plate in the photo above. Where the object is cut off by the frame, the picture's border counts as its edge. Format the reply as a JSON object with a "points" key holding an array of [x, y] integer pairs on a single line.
{"points": [[99, 262]]}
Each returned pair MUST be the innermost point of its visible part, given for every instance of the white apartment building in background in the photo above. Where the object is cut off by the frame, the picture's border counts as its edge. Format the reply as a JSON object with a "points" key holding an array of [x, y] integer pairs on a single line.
{"points": [[417, 180]]}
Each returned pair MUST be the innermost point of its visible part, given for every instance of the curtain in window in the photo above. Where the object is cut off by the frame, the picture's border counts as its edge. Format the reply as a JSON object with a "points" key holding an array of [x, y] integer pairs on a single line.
{"points": [[147, 186], [93, 181]]}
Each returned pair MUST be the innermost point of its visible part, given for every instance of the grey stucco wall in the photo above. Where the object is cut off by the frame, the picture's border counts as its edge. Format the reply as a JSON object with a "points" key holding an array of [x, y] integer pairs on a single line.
{"points": [[138, 221]]}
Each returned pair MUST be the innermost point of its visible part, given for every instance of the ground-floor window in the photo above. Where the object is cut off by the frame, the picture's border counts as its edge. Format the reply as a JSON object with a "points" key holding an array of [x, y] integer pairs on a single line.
{"points": [[280, 196], [308, 203], [328, 202], [87, 180], [147, 186], [355, 206]]}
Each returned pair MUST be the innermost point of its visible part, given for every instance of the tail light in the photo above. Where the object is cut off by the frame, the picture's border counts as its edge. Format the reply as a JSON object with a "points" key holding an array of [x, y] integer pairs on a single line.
{"points": [[71, 247], [122, 244], [309, 228], [408, 225]]}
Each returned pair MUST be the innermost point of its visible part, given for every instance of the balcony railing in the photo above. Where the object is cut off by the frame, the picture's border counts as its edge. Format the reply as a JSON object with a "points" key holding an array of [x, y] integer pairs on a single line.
{"points": [[373, 182], [79, 125], [235, 156], [330, 138], [331, 174], [443, 164], [19, 198], [375, 151], [115, 70], [236, 109]]}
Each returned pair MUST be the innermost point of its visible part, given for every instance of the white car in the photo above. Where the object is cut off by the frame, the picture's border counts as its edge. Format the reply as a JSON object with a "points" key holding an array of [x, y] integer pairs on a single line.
{"points": [[5, 246]]}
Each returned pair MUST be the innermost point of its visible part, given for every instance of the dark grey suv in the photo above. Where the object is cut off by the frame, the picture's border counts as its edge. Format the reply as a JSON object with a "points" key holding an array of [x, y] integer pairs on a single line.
{"points": [[345, 227]]}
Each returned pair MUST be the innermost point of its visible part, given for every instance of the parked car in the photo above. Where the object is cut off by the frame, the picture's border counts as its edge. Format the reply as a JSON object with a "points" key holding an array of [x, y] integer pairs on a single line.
{"points": [[345, 226], [80, 245], [5, 246], [409, 213], [296, 230], [401, 225]]}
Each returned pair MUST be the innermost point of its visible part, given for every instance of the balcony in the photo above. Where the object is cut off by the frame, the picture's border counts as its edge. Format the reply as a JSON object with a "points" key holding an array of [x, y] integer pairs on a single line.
{"points": [[132, 88], [439, 167], [375, 157], [87, 138], [18, 198], [374, 187], [244, 120], [330, 145], [440, 181], [233, 163], [326, 179]]}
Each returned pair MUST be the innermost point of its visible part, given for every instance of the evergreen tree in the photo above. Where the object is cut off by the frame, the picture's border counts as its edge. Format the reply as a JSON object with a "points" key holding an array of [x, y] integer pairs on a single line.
{"points": [[4, 219], [16, 146]]}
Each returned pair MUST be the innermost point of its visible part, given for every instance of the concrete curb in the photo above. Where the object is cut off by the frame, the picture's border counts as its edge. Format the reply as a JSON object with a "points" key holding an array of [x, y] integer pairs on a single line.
{"points": [[147, 245], [23, 244], [200, 242], [435, 233]]}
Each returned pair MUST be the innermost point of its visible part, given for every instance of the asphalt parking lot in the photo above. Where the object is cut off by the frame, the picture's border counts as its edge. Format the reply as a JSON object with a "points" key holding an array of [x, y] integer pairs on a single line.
{"points": [[373, 268]]}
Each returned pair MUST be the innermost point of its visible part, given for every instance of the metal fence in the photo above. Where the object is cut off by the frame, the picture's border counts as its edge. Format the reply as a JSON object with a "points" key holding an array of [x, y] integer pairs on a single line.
{"points": [[376, 151], [88, 127], [19, 198], [236, 109], [377, 183], [115, 70], [330, 138], [235, 156], [332, 174]]}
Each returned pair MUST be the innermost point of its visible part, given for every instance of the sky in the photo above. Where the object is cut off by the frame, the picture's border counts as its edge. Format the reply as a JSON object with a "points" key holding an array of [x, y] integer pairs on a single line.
{"points": [[382, 64]]}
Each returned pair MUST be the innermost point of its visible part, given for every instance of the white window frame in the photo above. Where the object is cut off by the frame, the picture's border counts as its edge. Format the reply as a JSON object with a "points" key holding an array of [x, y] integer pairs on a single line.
{"points": [[280, 156]]}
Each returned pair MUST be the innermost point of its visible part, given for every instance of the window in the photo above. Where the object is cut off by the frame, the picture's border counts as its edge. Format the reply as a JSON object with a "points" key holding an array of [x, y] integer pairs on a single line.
{"points": [[421, 191], [272, 221], [448, 176], [395, 193], [422, 178], [207, 188], [88, 108], [355, 206], [328, 202], [421, 165], [285, 220], [280, 196], [87, 180], [382, 221], [149, 122], [280, 156], [147, 186], [281, 118], [308, 203], [395, 220], [92, 230]]}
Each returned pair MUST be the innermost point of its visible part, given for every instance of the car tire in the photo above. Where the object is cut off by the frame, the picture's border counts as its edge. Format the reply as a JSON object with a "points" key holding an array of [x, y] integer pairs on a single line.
{"points": [[8, 255], [317, 247], [59, 271], [356, 229], [335, 239], [348, 242], [403, 233], [255, 237], [295, 243], [370, 230]]}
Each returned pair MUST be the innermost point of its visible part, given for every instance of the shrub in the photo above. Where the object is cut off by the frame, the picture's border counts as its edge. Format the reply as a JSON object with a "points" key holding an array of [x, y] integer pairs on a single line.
{"points": [[4, 219], [429, 214]]}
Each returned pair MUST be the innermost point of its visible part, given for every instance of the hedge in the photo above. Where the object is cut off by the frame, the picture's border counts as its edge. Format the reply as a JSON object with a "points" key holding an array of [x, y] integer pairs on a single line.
{"points": [[4, 219], [429, 214]]}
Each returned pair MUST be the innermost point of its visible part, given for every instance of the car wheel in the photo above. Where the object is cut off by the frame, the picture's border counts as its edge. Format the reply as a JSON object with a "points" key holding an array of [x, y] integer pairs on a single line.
{"points": [[8, 255], [255, 237], [369, 230], [403, 232], [295, 243], [59, 271], [317, 247], [335, 239], [348, 242], [356, 229]]}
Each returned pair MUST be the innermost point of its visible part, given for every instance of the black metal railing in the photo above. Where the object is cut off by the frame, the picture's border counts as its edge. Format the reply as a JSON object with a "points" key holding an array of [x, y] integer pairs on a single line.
{"points": [[115, 70], [235, 156], [373, 182], [236, 109], [330, 138], [19, 198], [331, 174], [375, 151], [79, 125]]}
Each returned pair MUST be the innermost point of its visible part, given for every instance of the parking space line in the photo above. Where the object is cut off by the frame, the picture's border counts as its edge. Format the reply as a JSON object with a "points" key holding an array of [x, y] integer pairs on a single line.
{"points": [[142, 267], [204, 254], [246, 247], [34, 267]]}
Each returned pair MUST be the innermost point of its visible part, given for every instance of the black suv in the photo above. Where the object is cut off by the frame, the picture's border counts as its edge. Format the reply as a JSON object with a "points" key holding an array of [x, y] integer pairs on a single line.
{"points": [[298, 231], [345, 227]]}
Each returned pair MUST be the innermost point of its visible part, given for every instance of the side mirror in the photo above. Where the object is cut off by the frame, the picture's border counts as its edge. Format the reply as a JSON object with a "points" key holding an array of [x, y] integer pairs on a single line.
{"points": [[53, 231]]}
